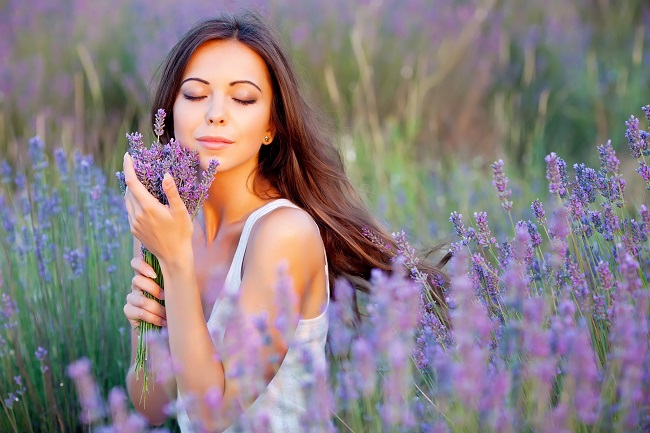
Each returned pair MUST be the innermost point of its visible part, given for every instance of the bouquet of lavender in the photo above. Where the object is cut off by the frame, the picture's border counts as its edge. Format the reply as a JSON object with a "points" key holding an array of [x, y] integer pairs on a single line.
{"points": [[150, 166]]}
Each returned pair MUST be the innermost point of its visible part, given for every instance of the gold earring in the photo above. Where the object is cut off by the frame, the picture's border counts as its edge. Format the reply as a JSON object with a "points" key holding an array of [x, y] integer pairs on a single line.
{"points": [[267, 138]]}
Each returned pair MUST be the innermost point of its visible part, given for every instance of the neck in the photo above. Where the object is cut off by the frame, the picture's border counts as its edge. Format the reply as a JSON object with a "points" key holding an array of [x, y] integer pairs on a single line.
{"points": [[231, 199]]}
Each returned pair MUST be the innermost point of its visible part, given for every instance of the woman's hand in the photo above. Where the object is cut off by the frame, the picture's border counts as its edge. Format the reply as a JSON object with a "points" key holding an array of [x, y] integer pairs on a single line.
{"points": [[161, 229], [138, 307]]}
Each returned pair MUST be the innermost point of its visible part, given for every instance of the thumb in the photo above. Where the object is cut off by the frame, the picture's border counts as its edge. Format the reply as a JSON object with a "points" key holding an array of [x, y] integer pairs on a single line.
{"points": [[173, 197]]}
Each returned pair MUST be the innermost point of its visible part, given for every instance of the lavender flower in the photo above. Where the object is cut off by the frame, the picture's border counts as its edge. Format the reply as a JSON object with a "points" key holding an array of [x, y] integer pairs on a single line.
{"points": [[457, 220], [637, 139], [538, 211], [556, 174], [644, 172], [92, 405], [500, 182], [483, 236], [159, 123], [609, 162], [41, 354], [582, 369], [645, 217]]}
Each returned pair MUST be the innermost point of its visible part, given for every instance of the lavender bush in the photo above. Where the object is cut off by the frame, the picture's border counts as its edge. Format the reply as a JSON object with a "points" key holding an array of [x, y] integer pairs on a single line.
{"points": [[547, 328], [63, 264]]}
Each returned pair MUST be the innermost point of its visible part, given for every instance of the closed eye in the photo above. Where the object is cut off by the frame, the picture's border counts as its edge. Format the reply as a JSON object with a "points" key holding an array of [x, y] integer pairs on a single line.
{"points": [[245, 101], [192, 98]]}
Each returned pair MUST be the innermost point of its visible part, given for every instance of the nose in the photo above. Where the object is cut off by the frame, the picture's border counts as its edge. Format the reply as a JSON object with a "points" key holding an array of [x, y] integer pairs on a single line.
{"points": [[216, 111]]}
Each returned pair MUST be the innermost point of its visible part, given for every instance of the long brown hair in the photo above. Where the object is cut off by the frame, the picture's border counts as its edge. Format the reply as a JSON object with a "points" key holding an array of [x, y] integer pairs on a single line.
{"points": [[302, 163]]}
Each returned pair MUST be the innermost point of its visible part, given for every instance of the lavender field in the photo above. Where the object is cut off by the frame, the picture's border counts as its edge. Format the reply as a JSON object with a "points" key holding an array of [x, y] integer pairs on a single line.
{"points": [[515, 132]]}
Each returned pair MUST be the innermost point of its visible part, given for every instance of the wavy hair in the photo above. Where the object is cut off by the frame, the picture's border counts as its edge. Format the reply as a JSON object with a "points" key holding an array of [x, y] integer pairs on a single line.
{"points": [[302, 163]]}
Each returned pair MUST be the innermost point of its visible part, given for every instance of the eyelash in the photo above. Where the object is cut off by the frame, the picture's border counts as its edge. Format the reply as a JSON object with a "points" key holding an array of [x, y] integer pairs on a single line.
{"points": [[239, 101]]}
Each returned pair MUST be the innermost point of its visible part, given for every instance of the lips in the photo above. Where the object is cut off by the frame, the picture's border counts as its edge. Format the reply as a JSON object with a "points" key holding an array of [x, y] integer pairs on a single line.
{"points": [[214, 143]]}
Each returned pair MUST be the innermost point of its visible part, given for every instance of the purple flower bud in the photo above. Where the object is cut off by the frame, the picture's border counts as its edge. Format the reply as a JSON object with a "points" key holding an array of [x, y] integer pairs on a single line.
{"points": [[609, 163], [636, 138], [159, 123], [556, 174], [644, 171], [538, 211], [645, 217], [483, 235], [457, 220], [500, 182], [92, 407]]}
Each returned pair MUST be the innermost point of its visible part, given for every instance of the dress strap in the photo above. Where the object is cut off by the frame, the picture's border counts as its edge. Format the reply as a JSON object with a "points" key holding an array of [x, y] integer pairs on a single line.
{"points": [[233, 278]]}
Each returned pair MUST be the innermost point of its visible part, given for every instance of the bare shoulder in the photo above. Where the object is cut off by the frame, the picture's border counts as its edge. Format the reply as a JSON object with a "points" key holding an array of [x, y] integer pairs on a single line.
{"points": [[287, 228]]}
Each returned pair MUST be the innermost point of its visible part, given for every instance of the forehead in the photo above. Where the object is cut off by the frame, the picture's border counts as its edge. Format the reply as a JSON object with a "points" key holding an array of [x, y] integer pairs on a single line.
{"points": [[226, 61]]}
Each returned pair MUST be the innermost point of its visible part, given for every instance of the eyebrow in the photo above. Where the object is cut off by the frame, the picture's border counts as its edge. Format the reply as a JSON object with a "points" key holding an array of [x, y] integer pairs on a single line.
{"points": [[232, 83]]}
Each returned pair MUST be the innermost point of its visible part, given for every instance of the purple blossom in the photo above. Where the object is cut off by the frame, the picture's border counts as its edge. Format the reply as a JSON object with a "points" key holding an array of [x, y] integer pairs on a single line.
{"points": [[607, 282], [8, 309], [645, 217], [411, 259], [629, 347], [586, 182], [181, 163], [457, 220], [644, 171], [500, 182], [630, 282], [92, 406], [637, 139], [75, 260], [5, 172], [483, 235], [365, 367], [504, 253], [609, 162], [556, 174], [583, 370], [41, 354], [159, 123], [610, 223], [538, 211], [375, 239]]}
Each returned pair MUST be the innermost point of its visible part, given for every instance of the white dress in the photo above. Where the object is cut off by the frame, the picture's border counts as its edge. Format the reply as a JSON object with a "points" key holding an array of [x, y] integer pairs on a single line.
{"points": [[284, 400]]}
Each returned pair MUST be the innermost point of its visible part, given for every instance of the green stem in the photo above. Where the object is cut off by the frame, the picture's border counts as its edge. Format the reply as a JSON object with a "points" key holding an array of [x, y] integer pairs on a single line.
{"points": [[142, 360]]}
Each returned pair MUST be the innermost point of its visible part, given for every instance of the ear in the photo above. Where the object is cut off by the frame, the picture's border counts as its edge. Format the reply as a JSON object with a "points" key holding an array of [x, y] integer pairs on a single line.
{"points": [[270, 133]]}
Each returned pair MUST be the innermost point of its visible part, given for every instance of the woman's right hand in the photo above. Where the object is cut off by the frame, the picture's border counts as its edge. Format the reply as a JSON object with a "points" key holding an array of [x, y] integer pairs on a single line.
{"points": [[138, 307]]}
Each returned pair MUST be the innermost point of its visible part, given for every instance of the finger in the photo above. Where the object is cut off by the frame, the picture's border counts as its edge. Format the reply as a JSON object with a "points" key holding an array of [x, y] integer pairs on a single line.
{"points": [[135, 315], [176, 204], [143, 268], [140, 301], [141, 283], [133, 184]]}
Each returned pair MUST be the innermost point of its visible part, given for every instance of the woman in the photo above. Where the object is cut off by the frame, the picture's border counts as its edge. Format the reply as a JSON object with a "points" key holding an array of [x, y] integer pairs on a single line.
{"points": [[280, 198]]}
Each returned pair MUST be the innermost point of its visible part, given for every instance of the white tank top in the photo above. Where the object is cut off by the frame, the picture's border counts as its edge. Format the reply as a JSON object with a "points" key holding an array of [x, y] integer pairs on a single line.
{"points": [[284, 400]]}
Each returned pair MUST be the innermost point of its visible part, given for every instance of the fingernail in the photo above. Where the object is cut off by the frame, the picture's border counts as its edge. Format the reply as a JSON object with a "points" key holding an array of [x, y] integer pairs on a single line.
{"points": [[167, 176], [162, 295], [125, 155], [152, 274], [164, 322]]}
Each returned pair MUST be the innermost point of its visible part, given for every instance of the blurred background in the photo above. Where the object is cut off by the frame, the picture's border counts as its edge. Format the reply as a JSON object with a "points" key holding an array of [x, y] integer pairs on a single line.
{"points": [[423, 95]]}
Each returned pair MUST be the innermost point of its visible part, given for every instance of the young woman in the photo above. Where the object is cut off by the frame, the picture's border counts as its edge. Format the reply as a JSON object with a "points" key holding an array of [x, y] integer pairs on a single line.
{"points": [[280, 197]]}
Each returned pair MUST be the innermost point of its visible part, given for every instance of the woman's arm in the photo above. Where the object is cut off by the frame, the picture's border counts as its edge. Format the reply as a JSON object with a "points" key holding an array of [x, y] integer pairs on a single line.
{"points": [[200, 372]]}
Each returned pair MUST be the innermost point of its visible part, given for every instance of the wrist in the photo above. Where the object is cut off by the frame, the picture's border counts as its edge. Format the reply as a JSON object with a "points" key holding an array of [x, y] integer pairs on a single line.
{"points": [[180, 260]]}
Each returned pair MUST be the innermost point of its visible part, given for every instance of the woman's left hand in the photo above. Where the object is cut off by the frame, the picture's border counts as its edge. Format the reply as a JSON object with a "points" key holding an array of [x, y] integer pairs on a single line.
{"points": [[161, 229]]}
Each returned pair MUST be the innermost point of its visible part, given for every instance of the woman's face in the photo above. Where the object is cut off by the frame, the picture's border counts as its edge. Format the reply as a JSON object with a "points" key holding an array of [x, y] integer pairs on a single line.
{"points": [[223, 108]]}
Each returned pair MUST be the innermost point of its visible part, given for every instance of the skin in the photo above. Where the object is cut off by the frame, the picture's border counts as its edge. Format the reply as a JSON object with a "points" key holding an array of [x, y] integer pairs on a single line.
{"points": [[194, 255]]}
